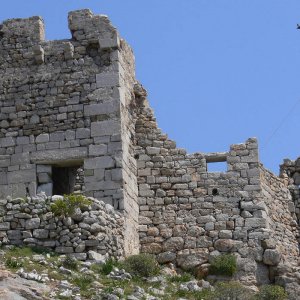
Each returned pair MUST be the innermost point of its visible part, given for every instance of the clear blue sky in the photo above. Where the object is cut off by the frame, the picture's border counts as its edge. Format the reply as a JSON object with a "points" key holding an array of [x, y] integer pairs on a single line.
{"points": [[217, 72]]}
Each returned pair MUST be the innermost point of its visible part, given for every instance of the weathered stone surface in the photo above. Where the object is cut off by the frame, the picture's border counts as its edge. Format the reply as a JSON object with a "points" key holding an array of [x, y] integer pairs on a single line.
{"points": [[224, 245], [173, 244], [191, 258], [271, 257], [33, 223], [166, 257]]}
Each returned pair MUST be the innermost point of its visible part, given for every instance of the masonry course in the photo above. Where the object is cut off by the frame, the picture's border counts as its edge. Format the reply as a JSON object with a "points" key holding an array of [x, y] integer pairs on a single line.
{"points": [[74, 118]]}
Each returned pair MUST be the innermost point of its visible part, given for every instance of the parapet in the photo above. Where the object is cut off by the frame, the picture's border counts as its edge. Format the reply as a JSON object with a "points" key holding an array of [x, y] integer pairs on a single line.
{"points": [[86, 26], [23, 31]]}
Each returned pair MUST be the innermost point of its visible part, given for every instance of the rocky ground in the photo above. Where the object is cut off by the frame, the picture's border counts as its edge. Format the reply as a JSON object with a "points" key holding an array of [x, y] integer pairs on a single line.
{"points": [[27, 273]]}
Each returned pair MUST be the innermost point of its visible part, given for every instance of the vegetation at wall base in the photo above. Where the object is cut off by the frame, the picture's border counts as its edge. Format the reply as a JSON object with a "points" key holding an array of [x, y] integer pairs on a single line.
{"points": [[144, 265], [223, 265], [271, 292]]}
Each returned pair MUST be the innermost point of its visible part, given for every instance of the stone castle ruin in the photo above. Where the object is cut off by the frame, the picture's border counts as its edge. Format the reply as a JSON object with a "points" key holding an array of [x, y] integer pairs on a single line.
{"points": [[73, 118]]}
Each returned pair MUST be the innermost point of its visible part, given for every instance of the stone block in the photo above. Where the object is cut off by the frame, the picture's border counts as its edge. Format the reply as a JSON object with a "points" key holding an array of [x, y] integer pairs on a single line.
{"points": [[44, 178], [21, 176], [107, 80], [59, 155], [101, 162], [166, 257], [3, 178], [44, 169], [14, 234], [42, 138], [107, 127], [101, 108], [96, 150], [4, 226], [256, 223], [22, 140], [70, 135], [4, 161], [58, 136], [91, 243], [189, 259], [64, 250], [41, 233], [33, 223], [20, 158], [79, 256], [83, 133], [271, 257], [47, 188]]}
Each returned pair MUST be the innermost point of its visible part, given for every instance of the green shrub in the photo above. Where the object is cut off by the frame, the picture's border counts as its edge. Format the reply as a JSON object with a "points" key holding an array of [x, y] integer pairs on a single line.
{"points": [[271, 292], [205, 294], [223, 265], [70, 263], [83, 282], [67, 206], [108, 266], [231, 290], [13, 263], [185, 277], [143, 265], [41, 250]]}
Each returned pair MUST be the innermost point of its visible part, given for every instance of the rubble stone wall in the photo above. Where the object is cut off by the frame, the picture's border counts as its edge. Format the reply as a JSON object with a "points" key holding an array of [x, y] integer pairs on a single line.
{"points": [[30, 222]]}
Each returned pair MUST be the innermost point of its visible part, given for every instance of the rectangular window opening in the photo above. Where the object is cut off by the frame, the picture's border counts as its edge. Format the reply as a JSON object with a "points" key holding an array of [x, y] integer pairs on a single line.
{"points": [[220, 167], [60, 179], [65, 180]]}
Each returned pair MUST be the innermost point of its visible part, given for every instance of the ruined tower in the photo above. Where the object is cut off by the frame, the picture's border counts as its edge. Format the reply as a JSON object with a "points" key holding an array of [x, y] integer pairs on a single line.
{"points": [[74, 118]]}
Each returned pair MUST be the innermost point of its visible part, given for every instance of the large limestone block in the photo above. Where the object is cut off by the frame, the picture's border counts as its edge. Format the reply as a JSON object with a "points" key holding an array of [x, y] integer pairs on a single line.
{"points": [[188, 259], [107, 80], [101, 108], [58, 155], [21, 176], [102, 162], [33, 223], [271, 257], [107, 127], [173, 244]]}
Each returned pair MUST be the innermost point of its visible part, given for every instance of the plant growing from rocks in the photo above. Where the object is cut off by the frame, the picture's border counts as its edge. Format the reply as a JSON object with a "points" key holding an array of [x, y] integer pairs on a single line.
{"points": [[108, 266], [143, 265], [70, 263], [13, 263], [185, 277], [66, 207], [271, 292], [223, 265], [83, 281], [231, 290]]}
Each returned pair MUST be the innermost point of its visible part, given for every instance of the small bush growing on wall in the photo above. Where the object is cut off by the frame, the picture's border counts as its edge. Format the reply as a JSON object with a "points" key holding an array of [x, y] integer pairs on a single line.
{"points": [[271, 292], [223, 265], [143, 265], [67, 206]]}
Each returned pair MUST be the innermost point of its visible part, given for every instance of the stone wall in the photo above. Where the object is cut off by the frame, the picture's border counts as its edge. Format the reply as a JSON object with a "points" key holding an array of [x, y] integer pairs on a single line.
{"points": [[72, 112], [290, 173], [63, 104], [189, 215], [95, 229]]}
